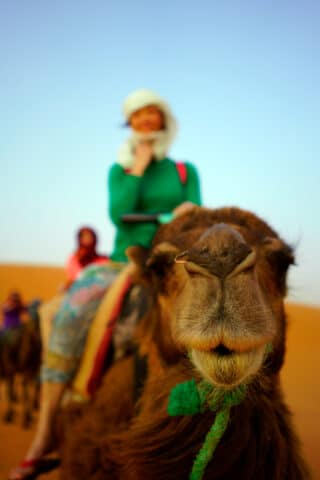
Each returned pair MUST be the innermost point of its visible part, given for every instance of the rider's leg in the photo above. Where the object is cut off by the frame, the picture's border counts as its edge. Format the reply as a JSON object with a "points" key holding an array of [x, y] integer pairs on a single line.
{"points": [[51, 394], [67, 339]]}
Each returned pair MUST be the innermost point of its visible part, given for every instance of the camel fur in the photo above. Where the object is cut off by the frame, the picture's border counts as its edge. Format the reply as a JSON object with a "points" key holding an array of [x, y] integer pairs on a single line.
{"points": [[216, 280]]}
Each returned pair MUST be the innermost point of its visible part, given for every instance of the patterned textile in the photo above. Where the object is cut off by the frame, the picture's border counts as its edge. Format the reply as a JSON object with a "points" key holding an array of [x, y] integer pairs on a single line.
{"points": [[101, 334], [72, 321], [47, 312]]}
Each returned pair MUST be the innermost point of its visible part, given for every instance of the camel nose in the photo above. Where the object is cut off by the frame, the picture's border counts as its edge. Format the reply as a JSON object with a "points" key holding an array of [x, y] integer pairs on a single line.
{"points": [[223, 251], [226, 247]]}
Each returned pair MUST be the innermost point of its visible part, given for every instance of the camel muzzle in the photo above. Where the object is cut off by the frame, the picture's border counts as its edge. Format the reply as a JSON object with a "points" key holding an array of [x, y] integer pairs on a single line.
{"points": [[221, 252]]}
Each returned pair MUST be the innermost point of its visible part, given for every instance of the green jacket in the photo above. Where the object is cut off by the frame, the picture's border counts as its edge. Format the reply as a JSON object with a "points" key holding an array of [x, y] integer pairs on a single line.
{"points": [[159, 190]]}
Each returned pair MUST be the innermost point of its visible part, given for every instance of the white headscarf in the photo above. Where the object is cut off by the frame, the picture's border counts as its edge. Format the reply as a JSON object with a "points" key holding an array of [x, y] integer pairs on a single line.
{"points": [[162, 139]]}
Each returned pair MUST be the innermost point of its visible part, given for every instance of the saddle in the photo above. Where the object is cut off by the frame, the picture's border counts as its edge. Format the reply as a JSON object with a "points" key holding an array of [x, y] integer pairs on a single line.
{"points": [[108, 339]]}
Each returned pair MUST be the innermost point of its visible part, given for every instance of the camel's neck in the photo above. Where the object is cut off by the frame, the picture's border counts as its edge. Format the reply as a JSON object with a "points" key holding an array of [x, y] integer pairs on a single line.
{"points": [[258, 443]]}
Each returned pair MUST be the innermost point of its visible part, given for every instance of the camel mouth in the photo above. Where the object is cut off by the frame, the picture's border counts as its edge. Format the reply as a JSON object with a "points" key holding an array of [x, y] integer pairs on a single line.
{"points": [[223, 351], [228, 368]]}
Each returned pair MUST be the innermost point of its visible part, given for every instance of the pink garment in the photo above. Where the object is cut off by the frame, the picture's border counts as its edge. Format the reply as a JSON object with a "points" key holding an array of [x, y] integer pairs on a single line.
{"points": [[73, 266]]}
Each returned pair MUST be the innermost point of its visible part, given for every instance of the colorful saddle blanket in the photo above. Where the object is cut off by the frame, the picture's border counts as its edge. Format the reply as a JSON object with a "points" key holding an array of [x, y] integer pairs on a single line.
{"points": [[80, 344], [99, 337]]}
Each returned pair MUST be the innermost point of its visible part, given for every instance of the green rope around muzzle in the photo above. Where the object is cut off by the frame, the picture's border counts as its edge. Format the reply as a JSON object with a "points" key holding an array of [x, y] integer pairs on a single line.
{"points": [[190, 398]]}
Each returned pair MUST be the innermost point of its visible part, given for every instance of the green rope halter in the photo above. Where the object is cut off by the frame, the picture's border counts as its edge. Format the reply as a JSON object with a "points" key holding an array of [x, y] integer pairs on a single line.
{"points": [[188, 398]]}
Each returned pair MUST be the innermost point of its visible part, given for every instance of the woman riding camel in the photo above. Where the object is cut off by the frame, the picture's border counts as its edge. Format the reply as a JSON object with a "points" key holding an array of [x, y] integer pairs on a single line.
{"points": [[144, 180]]}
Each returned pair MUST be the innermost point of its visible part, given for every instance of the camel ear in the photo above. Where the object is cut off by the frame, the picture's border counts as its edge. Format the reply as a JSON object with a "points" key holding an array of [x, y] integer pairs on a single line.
{"points": [[162, 256], [155, 262], [280, 256], [280, 251], [138, 255]]}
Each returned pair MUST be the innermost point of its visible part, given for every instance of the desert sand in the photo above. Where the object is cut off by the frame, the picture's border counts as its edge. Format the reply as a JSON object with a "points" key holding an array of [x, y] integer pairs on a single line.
{"points": [[31, 281], [299, 375]]}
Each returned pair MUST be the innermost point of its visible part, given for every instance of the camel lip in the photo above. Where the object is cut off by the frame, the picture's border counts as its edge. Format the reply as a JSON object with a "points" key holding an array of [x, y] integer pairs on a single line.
{"points": [[222, 351], [226, 368], [224, 346]]}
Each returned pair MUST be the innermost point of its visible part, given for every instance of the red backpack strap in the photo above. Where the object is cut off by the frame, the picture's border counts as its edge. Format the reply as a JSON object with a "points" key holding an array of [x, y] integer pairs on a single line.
{"points": [[182, 172]]}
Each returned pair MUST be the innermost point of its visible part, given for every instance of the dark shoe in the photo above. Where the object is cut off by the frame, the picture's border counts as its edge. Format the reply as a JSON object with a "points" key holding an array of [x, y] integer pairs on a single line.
{"points": [[30, 469]]}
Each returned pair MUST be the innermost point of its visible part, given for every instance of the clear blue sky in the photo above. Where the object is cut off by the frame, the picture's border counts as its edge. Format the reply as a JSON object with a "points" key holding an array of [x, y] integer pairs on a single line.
{"points": [[241, 76]]}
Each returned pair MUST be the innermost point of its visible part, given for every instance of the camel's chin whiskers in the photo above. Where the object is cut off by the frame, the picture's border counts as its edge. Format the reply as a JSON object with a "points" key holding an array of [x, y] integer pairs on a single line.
{"points": [[230, 370]]}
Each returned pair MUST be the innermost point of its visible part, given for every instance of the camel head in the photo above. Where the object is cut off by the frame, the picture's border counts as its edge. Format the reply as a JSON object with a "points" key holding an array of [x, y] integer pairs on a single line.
{"points": [[218, 278]]}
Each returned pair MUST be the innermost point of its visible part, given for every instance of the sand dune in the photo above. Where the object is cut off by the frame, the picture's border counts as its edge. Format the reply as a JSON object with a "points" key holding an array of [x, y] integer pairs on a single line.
{"points": [[300, 376], [32, 281]]}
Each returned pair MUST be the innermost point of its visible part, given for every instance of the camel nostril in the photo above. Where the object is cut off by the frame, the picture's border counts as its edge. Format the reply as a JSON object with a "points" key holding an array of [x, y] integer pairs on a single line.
{"points": [[221, 251], [246, 265], [222, 350]]}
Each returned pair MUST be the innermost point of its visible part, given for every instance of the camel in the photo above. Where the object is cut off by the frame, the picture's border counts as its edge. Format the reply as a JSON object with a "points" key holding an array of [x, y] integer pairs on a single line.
{"points": [[201, 397], [20, 355]]}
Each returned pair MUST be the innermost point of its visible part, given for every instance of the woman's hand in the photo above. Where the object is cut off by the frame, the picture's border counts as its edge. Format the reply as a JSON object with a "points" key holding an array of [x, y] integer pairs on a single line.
{"points": [[142, 158], [183, 208]]}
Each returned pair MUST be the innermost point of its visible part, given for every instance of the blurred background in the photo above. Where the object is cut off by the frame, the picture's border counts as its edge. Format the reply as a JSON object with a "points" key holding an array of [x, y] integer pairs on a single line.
{"points": [[242, 78]]}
